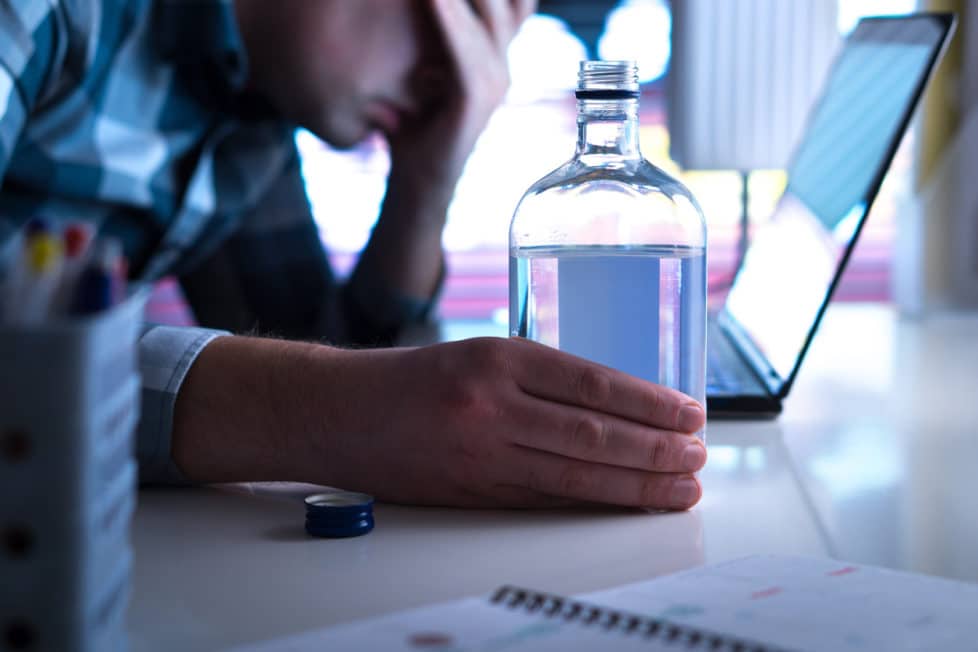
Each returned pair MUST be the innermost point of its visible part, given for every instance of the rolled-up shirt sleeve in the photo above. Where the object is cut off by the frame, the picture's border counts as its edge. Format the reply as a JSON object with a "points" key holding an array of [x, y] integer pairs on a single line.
{"points": [[166, 354]]}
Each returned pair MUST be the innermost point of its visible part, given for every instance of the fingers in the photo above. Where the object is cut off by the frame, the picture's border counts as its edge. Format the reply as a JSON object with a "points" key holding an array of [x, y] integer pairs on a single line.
{"points": [[553, 475], [472, 29], [501, 17], [595, 437], [523, 9], [552, 375], [495, 19], [457, 23]]}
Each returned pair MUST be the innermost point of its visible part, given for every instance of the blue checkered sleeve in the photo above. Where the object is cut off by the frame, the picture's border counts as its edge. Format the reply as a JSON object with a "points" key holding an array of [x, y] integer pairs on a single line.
{"points": [[31, 36]]}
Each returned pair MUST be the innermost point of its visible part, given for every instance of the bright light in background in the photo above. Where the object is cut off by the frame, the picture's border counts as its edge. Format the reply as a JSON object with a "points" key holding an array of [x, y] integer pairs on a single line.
{"points": [[639, 30], [543, 60], [850, 11], [345, 212]]}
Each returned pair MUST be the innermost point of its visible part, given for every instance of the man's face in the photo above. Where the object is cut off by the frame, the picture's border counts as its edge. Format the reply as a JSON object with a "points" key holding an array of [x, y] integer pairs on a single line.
{"points": [[343, 68]]}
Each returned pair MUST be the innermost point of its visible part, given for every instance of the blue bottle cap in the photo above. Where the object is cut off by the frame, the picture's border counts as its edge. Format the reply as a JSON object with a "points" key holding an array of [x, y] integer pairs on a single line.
{"points": [[339, 514], [337, 530], [333, 519]]}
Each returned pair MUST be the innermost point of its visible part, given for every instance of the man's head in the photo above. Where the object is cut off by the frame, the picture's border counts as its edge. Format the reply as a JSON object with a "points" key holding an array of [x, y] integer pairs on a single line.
{"points": [[343, 68]]}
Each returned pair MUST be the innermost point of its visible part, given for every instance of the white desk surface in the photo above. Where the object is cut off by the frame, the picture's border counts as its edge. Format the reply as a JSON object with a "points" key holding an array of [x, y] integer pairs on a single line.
{"points": [[875, 460]]}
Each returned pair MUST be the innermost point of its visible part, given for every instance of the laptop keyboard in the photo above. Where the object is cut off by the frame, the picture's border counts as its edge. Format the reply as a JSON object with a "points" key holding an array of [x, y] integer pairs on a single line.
{"points": [[726, 373], [718, 379]]}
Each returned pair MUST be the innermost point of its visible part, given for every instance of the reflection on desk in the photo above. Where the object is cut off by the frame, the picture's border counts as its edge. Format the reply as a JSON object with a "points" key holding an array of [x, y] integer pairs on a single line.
{"points": [[885, 434]]}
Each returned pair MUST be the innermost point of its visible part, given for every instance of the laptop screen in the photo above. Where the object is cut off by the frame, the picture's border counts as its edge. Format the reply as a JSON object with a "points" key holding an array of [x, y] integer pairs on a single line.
{"points": [[795, 258]]}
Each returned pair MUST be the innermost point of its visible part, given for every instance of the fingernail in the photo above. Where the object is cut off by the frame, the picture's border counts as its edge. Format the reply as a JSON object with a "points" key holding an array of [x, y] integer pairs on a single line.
{"points": [[694, 457], [684, 493], [690, 418]]}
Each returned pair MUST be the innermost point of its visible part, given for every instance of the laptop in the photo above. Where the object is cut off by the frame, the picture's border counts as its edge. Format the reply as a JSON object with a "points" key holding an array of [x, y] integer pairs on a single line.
{"points": [[758, 339]]}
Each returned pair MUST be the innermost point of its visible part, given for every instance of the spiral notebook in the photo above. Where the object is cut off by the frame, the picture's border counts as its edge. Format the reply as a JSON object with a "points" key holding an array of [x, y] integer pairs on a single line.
{"points": [[763, 603]]}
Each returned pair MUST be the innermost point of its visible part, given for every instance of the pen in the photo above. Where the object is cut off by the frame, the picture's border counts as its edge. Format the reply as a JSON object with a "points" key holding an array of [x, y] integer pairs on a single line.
{"points": [[36, 226], [98, 287], [38, 279], [77, 240]]}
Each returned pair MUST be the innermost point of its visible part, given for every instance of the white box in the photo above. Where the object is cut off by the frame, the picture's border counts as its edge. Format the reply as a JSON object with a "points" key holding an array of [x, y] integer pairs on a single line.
{"points": [[69, 404]]}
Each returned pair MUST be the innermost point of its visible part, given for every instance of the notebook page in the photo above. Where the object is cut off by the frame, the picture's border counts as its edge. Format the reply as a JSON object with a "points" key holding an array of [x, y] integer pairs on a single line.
{"points": [[810, 604], [470, 624]]}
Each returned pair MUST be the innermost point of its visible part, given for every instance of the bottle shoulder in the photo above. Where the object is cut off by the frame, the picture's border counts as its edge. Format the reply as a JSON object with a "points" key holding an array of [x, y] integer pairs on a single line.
{"points": [[610, 174], [615, 202]]}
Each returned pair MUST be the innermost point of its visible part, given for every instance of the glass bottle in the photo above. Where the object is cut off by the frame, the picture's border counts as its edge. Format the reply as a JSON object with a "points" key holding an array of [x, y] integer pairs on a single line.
{"points": [[608, 252]]}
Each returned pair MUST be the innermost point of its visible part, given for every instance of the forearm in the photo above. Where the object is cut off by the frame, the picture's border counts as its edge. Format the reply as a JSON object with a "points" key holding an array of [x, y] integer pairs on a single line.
{"points": [[249, 408], [405, 247]]}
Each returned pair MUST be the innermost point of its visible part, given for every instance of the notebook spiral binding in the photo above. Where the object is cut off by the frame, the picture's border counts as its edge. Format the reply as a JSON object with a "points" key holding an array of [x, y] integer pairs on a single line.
{"points": [[681, 636]]}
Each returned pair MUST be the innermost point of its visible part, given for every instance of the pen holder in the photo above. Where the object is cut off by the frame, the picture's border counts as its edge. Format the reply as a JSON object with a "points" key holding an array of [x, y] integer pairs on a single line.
{"points": [[69, 403]]}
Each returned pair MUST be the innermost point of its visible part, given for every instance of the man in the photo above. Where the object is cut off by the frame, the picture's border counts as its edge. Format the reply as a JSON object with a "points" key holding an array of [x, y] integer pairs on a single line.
{"points": [[169, 124]]}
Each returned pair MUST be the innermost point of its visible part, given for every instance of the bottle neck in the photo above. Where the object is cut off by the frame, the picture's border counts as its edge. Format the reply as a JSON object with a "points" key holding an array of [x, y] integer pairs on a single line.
{"points": [[608, 128]]}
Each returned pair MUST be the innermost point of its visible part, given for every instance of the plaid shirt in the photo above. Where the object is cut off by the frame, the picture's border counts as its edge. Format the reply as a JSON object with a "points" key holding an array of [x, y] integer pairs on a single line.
{"points": [[133, 115]]}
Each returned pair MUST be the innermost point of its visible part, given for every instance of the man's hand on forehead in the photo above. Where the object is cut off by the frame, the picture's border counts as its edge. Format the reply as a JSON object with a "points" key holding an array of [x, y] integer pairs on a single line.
{"points": [[459, 90], [502, 17]]}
